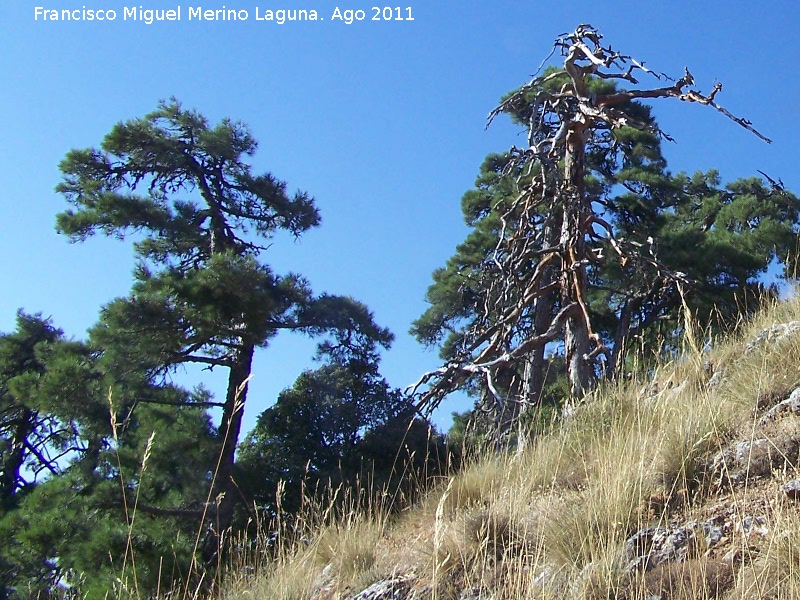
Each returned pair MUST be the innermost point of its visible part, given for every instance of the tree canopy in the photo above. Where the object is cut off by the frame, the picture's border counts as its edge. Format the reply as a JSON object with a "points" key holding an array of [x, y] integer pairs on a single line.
{"points": [[200, 219], [584, 250], [72, 468], [583, 242]]}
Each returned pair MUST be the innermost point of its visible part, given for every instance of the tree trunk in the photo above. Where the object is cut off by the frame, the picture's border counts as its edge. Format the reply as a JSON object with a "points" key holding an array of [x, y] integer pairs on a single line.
{"points": [[534, 374], [229, 430], [526, 395], [574, 255], [10, 473], [576, 340]]}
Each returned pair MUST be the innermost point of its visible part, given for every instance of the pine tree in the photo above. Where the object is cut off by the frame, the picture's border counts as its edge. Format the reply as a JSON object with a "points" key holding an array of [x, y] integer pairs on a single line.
{"points": [[340, 424], [200, 219], [72, 459], [583, 240], [49, 415]]}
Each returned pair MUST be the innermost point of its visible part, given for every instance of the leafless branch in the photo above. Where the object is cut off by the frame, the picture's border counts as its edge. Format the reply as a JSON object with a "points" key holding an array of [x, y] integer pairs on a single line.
{"points": [[547, 237]]}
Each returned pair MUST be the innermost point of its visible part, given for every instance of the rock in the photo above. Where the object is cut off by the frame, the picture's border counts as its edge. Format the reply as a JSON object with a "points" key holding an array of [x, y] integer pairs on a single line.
{"points": [[543, 581], [662, 390], [579, 587], [397, 588], [774, 333], [423, 592], [324, 585], [695, 578], [790, 405], [752, 526], [792, 489], [742, 459], [713, 533], [653, 546], [716, 378], [753, 458], [714, 373], [733, 557]]}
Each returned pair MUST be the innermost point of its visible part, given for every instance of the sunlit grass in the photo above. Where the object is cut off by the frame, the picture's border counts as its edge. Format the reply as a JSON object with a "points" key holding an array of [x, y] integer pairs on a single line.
{"points": [[552, 521]]}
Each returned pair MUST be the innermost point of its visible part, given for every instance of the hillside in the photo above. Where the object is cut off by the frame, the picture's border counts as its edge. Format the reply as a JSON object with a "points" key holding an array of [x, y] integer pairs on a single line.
{"points": [[680, 484]]}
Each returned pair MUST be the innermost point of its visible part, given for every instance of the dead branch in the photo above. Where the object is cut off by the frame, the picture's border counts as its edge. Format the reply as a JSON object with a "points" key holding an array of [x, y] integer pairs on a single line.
{"points": [[546, 237]]}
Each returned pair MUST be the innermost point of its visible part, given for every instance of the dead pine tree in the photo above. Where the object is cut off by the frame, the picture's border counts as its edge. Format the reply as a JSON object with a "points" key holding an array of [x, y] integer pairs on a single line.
{"points": [[534, 285]]}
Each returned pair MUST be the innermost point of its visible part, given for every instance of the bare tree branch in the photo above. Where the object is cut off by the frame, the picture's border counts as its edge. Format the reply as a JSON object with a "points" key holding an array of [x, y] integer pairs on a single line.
{"points": [[550, 233]]}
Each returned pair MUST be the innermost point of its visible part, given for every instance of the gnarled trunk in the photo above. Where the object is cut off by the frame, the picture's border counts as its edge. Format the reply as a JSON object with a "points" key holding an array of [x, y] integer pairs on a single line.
{"points": [[229, 430], [577, 340]]}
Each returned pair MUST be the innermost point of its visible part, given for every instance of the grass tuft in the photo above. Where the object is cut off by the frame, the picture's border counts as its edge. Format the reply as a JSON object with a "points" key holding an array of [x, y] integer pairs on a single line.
{"points": [[551, 521]]}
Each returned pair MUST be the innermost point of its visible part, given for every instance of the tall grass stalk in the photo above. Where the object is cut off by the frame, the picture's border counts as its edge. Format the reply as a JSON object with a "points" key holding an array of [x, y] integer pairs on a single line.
{"points": [[130, 512]]}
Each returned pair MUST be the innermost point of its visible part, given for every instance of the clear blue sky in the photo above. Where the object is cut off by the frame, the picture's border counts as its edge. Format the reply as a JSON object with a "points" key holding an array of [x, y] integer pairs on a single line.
{"points": [[382, 122]]}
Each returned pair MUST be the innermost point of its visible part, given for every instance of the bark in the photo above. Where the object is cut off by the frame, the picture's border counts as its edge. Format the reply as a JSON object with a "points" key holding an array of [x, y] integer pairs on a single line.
{"points": [[10, 475], [576, 340], [505, 413], [561, 123], [573, 247], [533, 383], [229, 431], [534, 367], [621, 337]]}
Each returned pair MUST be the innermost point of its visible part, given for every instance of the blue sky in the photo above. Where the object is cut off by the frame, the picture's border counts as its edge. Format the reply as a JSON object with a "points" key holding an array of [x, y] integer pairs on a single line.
{"points": [[382, 122]]}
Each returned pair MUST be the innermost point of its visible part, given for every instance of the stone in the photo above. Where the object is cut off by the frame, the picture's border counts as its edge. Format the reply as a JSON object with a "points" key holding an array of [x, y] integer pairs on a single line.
{"points": [[734, 556], [775, 333], [753, 526], [792, 489], [695, 578], [790, 405], [324, 584], [750, 459], [397, 588], [654, 546], [716, 379], [472, 593], [543, 581], [713, 533], [578, 589], [667, 390], [742, 459]]}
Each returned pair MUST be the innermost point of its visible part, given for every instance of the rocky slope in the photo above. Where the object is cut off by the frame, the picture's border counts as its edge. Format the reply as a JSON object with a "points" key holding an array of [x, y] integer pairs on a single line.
{"points": [[682, 484]]}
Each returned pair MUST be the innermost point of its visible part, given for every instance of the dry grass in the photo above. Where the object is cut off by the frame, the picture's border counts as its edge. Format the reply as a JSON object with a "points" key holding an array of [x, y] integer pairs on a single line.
{"points": [[340, 558], [552, 521], [329, 549], [774, 572]]}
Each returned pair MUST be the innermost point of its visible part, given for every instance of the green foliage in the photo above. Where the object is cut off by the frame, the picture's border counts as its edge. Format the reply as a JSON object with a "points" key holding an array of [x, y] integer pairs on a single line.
{"points": [[199, 219], [72, 460], [132, 183], [724, 238], [718, 240], [339, 424], [48, 407]]}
